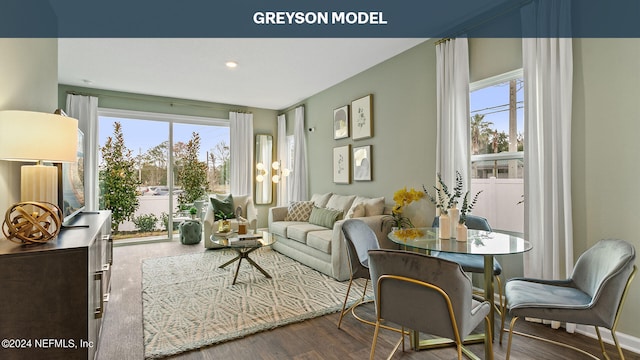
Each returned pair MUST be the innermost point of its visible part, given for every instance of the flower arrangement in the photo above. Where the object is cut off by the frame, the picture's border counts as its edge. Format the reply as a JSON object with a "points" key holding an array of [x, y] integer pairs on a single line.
{"points": [[444, 199], [402, 198]]}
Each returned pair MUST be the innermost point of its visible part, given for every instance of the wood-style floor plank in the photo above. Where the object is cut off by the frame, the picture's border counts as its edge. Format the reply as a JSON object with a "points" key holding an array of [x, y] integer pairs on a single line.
{"points": [[319, 338]]}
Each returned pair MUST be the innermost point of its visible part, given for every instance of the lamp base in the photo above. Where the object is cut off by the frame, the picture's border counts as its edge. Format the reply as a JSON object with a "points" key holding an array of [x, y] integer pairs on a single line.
{"points": [[39, 183]]}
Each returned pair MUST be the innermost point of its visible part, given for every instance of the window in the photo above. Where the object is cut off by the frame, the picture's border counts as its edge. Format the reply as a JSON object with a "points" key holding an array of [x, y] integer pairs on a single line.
{"points": [[158, 145], [497, 148]]}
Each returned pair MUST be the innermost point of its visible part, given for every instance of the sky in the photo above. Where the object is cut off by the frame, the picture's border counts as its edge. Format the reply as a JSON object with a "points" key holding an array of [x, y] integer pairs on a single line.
{"points": [[141, 135], [484, 100]]}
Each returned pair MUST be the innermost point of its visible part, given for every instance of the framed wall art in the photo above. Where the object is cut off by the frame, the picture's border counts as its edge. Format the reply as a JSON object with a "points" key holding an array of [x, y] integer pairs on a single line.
{"points": [[362, 117], [362, 163], [342, 164], [341, 122]]}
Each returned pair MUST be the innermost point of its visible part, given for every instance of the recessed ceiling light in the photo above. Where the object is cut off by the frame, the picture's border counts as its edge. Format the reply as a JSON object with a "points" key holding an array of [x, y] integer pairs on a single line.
{"points": [[87, 81], [231, 64]]}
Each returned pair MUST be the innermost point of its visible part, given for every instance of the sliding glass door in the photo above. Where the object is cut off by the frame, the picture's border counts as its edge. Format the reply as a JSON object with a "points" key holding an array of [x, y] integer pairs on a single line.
{"points": [[172, 161]]}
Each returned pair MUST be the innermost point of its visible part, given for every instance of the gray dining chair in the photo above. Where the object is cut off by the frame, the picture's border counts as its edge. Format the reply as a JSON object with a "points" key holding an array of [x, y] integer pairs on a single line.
{"points": [[427, 294], [359, 238], [475, 263], [593, 295]]}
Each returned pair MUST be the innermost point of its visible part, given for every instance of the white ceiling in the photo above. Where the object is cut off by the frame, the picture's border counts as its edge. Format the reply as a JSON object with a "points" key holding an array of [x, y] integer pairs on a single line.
{"points": [[271, 73]]}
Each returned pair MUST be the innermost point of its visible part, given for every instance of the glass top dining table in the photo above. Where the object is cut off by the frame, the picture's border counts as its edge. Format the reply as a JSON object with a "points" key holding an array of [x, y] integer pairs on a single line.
{"points": [[479, 242]]}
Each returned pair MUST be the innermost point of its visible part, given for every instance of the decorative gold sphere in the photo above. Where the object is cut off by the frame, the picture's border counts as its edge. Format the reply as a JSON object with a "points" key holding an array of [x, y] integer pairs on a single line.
{"points": [[32, 222]]}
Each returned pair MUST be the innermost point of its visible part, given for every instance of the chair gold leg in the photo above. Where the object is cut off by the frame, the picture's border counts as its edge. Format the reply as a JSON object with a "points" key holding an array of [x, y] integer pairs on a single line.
{"points": [[375, 339], [344, 305], [513, 322], [615, 340], [488, 344]]}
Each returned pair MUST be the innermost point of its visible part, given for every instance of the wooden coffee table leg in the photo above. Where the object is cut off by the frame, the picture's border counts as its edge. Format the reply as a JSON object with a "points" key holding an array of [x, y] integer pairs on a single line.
{"points": [[229, 262]]}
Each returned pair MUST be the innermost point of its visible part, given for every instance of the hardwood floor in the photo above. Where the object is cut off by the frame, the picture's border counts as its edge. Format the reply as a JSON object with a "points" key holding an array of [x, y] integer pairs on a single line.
{"points": [[318, 338]]}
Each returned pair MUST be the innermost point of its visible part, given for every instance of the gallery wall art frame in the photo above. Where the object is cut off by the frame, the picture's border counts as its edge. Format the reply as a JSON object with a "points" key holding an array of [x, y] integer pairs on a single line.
{"points": [[362, 162], [342, 164], [362, 117], [341, 122]]}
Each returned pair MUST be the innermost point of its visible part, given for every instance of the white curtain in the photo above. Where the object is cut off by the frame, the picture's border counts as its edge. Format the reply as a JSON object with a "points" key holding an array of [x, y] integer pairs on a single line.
{"points": [[85, 110], [548, 77], [283, 156], [241, 152], [452, 82], [300, 189]]}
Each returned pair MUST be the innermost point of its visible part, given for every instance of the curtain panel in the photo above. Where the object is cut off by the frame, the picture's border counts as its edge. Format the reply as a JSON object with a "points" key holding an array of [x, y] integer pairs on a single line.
{"points": [[85, 109], [283, 156], [299, 188], [453, 131], [241, 152]]}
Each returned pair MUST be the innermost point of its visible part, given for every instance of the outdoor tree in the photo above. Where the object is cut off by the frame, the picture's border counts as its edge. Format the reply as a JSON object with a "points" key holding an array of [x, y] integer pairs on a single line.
{"points": [[480, 133], [118, 179], [192, 173], [219, 157]]}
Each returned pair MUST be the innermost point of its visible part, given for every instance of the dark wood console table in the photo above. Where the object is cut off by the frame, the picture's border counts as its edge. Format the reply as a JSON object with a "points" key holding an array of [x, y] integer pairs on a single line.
{"points": [[53, 295]]}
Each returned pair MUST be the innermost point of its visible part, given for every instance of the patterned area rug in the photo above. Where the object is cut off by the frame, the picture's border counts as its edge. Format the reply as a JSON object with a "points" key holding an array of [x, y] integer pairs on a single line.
{"points": [[189, 303]]}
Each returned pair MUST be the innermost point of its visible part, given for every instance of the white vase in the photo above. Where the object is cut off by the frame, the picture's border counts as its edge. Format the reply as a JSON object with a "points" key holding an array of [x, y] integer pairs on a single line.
{"points": [[445, 227], [461, 232], [454, 217]]}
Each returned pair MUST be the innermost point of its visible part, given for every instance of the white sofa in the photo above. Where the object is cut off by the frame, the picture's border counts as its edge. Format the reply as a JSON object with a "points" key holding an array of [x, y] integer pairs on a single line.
{"points": [[323, 248], [249, 212]]}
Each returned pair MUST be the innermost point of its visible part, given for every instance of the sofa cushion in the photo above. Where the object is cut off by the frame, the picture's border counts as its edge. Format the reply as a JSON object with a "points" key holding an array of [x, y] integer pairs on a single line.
{"points": [[280, 227], [340, 202], [324, 217], [320, 200], [320, 240], [298, 232], [299, 211], [372, 206], [223, 206], [356, 211]]}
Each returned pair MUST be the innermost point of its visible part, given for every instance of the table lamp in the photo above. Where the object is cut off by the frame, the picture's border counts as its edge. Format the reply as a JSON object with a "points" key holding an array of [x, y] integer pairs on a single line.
{"points": [[28, 136]]}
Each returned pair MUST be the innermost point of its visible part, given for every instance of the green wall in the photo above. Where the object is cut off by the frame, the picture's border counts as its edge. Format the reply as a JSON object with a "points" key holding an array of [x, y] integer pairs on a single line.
{"points": [[605, 127], [29, 81]]}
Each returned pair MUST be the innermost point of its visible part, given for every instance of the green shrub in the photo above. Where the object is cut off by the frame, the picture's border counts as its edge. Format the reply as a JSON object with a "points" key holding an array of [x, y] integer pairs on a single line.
{"points": [[146, 222]]}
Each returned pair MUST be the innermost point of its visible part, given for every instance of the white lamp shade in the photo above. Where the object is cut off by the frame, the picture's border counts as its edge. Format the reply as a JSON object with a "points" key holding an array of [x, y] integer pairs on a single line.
{"points": [[34, 136]]}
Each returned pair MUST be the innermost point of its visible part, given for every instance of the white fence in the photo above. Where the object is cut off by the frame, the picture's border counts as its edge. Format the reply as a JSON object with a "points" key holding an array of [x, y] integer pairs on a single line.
{"points": [[156, 205], [499, 202]]}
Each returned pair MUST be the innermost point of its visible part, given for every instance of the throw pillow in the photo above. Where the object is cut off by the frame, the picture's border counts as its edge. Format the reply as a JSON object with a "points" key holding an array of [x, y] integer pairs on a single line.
{"points": [[320, 200], [223, 206], [324, 217], [356, 211], [340, 202], [372, 207], [299, 211]]}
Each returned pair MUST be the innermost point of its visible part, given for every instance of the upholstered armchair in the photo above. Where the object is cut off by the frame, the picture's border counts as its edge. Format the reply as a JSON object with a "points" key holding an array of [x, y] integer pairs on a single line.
{"points": [[360, 239], [248, 211], [593, 295], [427, 294]]}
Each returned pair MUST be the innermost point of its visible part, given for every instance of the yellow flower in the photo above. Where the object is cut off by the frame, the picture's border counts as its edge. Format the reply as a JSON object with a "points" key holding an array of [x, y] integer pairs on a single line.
{"points": [[404, 197], [411, 233], [397, 209]]}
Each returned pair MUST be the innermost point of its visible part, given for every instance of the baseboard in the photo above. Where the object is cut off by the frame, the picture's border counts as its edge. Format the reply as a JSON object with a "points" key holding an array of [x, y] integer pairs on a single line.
{"points": [[627, 342]]}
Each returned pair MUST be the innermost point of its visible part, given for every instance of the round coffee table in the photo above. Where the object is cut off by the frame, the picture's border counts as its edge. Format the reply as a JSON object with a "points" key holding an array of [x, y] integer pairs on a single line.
{"points": [[243, 245]]}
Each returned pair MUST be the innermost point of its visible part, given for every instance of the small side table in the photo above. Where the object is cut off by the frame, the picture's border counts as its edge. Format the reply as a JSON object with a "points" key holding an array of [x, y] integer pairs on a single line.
{"points": [[190, 232]]}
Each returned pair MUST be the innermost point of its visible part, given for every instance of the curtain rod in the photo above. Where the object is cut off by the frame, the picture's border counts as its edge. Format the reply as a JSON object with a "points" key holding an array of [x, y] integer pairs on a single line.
{"points": [[480, 22], [170, 103]]}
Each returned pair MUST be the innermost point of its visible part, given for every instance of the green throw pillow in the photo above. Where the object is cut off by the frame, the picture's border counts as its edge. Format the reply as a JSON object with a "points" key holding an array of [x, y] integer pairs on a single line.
{"points": [[324, 217], [225, 205]]}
